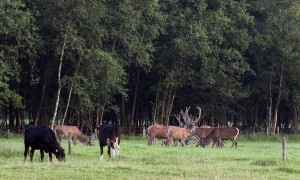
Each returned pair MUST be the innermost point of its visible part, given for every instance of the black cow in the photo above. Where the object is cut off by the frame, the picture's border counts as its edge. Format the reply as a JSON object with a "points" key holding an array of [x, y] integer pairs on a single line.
{"points": [[42, 138], [109, 135]]}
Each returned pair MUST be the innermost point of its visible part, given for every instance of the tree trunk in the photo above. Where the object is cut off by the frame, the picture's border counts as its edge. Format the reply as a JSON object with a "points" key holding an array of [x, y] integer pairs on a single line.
{"points": [[171, 98], [295, 121], [278, 101], [269, 121], [43, 95], [59, 82], [17, 112], [123, 113], [71, 89], [134, 100], [155, 108]]}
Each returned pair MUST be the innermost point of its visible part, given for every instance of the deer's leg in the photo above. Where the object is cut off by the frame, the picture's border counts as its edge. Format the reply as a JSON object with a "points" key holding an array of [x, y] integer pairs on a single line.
{"points": [[234, 143]]}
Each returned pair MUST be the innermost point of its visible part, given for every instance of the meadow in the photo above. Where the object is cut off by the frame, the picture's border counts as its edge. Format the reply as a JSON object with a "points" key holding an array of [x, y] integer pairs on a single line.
{"points": [[257, 157]]}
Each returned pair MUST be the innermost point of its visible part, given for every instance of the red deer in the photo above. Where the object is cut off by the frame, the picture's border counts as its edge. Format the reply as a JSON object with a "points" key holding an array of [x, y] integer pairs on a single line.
{"points": [[178, 133], [110, 136], [156, 131], [42, 138], [62, 131], [202, 132], [219, 134], [182, 133]]}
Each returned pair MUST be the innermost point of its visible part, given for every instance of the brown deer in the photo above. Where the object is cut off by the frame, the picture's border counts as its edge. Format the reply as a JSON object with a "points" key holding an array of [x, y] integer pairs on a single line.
{"points": [[201, 133], [156, 131], [219, 134], [182, 133], [62, 131]]}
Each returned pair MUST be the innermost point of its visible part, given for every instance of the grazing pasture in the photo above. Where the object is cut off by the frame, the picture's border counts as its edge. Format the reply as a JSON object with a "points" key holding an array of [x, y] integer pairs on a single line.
{"points": [[255, 158]]}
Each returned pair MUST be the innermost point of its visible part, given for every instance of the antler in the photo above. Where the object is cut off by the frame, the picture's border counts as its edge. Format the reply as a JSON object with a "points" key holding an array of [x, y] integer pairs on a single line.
{"points": [[177, 116], [195, 120], [185, 116]]}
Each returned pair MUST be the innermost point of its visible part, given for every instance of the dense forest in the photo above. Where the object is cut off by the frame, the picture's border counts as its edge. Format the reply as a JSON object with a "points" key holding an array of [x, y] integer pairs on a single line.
{"points": [[135, 63]]}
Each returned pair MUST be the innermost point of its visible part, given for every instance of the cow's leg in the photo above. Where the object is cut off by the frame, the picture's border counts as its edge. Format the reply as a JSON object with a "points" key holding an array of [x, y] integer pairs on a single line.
{"points": [[50, 156], [108, 151], [116, 147], [26, 151], [101, 152], [31, 153], [42, 154], [118, 150]]}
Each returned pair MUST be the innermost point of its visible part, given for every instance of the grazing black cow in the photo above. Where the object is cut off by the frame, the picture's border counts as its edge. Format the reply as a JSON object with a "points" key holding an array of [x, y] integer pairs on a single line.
{"points": [[42, 138], [109, 135]]}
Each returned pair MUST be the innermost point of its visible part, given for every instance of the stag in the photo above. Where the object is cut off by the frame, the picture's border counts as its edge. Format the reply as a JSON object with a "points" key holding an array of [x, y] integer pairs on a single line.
{"points": [[219, 134], [182, 133]]}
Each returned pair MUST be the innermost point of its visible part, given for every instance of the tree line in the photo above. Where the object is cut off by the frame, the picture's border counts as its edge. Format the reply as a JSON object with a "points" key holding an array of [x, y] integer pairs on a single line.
{"points": [[135, 63]]}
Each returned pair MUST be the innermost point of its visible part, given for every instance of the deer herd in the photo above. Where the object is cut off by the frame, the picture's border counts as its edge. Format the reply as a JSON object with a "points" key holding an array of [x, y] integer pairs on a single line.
{"points": [[203, 135]]}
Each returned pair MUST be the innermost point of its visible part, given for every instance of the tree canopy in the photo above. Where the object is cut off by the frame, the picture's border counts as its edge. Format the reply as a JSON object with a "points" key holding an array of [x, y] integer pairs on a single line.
{"points": [[136, 63]]}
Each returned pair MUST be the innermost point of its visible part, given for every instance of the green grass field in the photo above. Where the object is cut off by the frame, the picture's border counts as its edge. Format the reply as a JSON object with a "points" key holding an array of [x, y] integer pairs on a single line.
{"points": [[255, 158]]}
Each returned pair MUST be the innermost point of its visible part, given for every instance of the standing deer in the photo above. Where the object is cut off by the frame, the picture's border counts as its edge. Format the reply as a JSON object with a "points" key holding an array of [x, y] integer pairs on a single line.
{"points": [[182, 133], [156, 131], [219, 134], [62, 131]]}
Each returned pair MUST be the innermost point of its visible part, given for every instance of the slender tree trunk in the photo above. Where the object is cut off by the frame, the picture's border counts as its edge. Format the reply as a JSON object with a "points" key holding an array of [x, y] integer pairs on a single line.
{"points": [[59, 82], [278, 101], [134, 100], [98, 116], [155, 108], [212, 117], [269, 123], [163, 108], [71, 89], [172, 97], [123, 113], [17, 112], [43, 95], [295, 120]]}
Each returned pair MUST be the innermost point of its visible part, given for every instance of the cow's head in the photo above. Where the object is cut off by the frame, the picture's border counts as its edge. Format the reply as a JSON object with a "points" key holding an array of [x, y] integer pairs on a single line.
{"points": [[60, 154]]}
